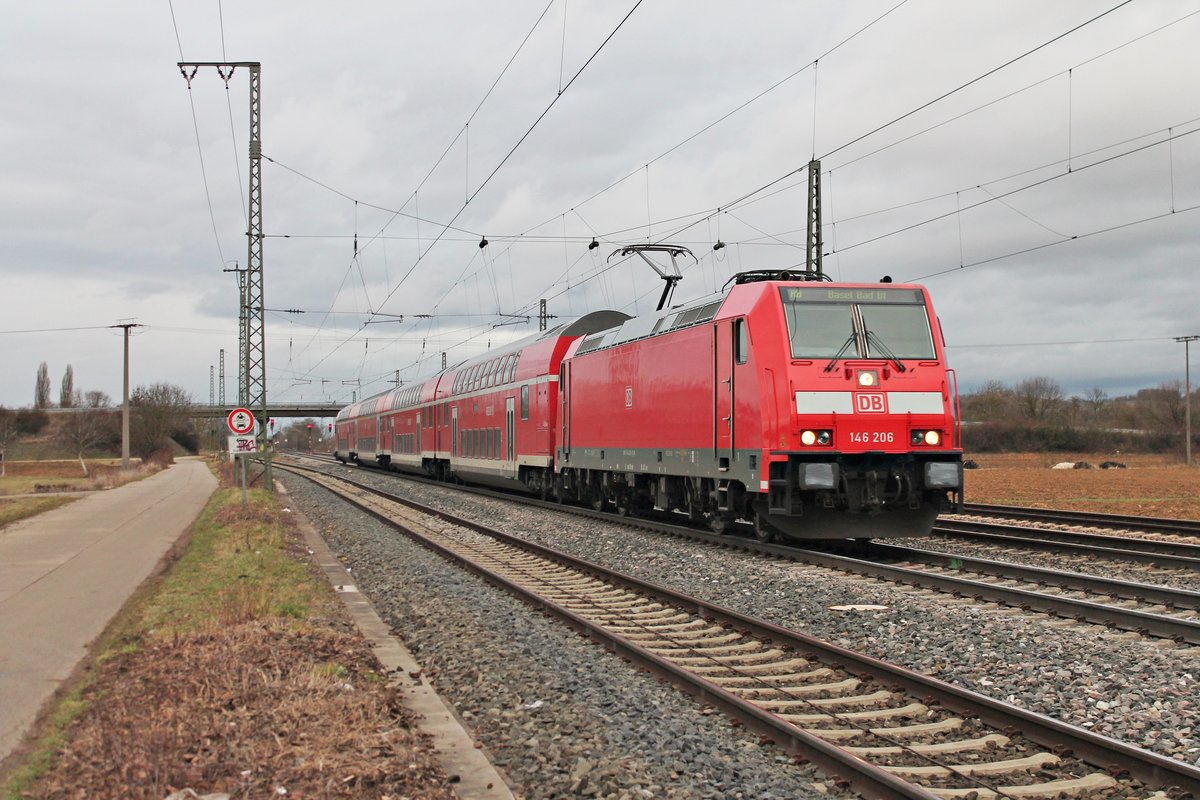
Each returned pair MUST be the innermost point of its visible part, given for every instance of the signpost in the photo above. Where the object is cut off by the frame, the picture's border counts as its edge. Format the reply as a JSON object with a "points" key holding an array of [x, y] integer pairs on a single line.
{"points": [[242, 442]]}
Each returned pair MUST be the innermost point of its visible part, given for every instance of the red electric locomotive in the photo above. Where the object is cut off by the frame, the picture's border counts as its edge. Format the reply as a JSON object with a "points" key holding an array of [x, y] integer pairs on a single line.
{"points": [[814, 410]]}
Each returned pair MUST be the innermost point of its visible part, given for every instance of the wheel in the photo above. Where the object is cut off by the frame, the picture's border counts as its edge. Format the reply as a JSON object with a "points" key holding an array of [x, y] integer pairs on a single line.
{"points": [[718, 524], [763, 530]]}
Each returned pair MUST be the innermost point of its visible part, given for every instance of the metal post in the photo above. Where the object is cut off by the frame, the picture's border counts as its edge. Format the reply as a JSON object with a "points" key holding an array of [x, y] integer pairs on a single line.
{"points": [[221, 379], [1187, 396]]}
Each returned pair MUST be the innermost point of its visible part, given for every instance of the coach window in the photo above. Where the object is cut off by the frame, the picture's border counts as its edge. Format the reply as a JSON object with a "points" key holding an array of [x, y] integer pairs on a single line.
{"points": [[525, 401], [741, 341]]}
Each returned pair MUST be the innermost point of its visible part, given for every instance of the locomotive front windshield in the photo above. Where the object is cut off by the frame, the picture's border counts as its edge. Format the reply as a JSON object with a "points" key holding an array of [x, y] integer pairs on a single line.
{"points": [[825, 322]]}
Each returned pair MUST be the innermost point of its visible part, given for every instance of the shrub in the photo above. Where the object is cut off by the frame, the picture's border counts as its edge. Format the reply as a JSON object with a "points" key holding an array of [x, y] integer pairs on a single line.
{"points": [[32, 421]]}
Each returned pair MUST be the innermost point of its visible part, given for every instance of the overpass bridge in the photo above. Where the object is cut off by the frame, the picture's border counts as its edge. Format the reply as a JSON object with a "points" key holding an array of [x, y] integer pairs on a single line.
{"points": [[274, 410]]}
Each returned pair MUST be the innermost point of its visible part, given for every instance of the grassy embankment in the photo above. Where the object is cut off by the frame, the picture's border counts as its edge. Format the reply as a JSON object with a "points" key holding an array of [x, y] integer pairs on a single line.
{"points": [[232, 672]]}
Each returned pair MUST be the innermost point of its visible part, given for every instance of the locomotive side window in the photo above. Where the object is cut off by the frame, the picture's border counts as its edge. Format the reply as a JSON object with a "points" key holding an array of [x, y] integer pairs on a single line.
{"points": [[741, 341]]}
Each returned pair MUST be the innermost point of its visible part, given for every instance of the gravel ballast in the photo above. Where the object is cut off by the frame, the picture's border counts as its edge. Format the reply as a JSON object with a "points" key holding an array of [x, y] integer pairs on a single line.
{"points": [[561, 716], [1144, 691]]}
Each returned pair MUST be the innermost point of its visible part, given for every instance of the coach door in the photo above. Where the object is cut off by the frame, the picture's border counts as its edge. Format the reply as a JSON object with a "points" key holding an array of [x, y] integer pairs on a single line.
{"points": [[723, 394], [510, 430], [454, 431], [386, 425], [564, 408]]}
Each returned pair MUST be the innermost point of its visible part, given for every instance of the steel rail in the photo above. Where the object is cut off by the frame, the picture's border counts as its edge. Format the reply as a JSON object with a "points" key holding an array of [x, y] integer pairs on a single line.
{"points": [[1115, 756], [1182, 599], [1161, 554], [1063, 516]]}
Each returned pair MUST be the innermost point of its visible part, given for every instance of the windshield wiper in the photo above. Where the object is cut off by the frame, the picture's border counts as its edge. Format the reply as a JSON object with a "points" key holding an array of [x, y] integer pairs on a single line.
{"points": [[841, 351], [883, 348]]}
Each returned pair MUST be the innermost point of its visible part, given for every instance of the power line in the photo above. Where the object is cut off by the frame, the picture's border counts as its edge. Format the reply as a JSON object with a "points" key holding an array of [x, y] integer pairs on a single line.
{"points": [[976, 79], [200, 149], [1035, 248], [1056, 343], [502, 162]]}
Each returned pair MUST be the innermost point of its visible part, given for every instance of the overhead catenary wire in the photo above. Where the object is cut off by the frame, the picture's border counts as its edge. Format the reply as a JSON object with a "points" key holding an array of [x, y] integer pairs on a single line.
{"points": [[199, 147]]}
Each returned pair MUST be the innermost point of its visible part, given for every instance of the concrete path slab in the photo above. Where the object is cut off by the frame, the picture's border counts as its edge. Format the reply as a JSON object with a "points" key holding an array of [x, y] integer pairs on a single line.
{"points": [[64, 575]]}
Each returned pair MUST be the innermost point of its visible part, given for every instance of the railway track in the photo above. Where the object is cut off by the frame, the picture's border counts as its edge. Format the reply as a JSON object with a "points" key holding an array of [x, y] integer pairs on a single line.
{"points": [[887, 731], [1144, 608], [1184, 527], [1158, 553], [1148, 609]]}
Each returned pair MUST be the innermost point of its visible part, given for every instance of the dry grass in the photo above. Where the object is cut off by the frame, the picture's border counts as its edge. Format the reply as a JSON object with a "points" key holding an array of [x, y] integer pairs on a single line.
{"points": [[24, 507], [32, 477], [1153, 486], [235, 674], [247, 711]]}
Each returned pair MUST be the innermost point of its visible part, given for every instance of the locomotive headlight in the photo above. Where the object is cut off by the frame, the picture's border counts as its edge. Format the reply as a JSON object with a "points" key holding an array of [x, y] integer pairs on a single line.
{"points": [[868, 377], [809, 438], [918, 437], [933, 438]]}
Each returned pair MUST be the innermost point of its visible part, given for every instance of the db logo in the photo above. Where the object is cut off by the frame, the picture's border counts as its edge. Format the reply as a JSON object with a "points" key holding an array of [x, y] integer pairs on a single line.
{"points": [[869, 403]]}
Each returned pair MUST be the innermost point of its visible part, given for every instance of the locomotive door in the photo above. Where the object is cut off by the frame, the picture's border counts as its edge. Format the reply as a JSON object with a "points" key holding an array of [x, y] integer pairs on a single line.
{"points": [[723, 395], [510, 429]]}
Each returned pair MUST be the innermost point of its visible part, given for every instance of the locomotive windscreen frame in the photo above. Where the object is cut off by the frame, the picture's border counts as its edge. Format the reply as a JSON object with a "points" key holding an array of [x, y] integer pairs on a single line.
{"points": [[823, 323]]}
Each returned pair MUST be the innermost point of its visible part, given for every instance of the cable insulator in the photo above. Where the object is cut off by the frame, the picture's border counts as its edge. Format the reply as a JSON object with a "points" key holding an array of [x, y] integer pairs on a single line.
{"points": [[483, 242], [594, 244], [719, 245]]}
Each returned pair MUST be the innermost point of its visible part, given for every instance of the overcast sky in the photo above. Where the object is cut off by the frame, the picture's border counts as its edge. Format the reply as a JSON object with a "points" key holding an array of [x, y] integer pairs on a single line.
{"points": [[1036, 202]]}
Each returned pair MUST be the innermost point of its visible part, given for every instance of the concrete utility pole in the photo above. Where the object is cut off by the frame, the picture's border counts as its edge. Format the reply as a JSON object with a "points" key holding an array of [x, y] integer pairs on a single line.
{"points": [[1187, 396], [125, 394]]}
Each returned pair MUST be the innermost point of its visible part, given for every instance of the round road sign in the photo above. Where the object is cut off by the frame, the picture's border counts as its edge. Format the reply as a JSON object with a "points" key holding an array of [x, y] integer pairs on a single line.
{"points": [[240, 421]]}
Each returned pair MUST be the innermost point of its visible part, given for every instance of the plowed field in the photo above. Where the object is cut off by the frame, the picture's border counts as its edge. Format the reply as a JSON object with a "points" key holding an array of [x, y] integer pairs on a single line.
{"points": [[1152, 486]]}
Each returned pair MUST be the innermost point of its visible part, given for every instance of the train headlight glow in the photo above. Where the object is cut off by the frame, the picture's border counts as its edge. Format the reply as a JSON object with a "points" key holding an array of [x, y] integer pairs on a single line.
{"points": [[933, 438], [868, 377], [808, 438]]}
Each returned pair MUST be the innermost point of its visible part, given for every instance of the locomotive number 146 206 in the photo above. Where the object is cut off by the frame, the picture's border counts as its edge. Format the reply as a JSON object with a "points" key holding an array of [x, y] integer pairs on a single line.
{"points": [[872, 437]]}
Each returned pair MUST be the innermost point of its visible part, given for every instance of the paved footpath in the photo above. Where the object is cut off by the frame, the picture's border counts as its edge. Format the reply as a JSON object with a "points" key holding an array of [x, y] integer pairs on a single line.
{"points": [[65, 573]]}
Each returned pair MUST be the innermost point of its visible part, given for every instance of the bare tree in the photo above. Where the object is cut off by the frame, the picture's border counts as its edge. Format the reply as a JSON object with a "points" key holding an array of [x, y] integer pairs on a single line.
{"points": [[992, 402], [1039, 397], [1096, 401], [41, 393], [66, 396], [158, 413], [86, 429], [1161, 408], [8, 432], [94, 398]]}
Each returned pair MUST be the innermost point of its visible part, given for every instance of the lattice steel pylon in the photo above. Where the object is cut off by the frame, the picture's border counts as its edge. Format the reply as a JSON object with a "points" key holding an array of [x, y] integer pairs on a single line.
{"points": [[252, 385], [813, 263]]}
